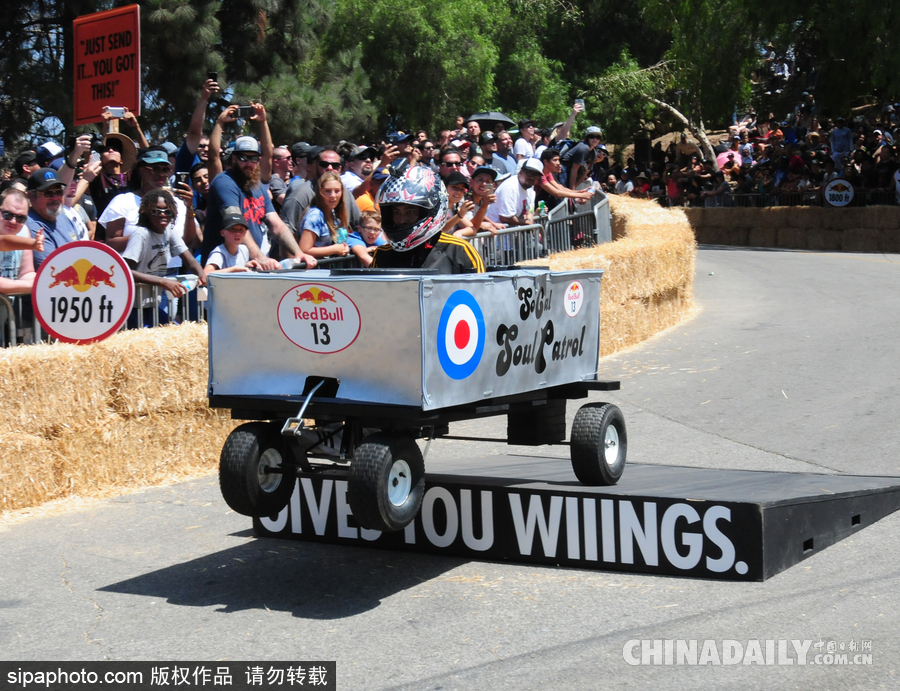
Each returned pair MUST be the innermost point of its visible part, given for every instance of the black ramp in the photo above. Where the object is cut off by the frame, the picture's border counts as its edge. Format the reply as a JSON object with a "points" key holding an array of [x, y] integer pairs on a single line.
{"points": [[666, 520]]}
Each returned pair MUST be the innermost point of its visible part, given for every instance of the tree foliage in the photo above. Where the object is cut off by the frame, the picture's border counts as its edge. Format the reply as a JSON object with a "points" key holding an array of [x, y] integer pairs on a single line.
{"points": [[332, 68]]}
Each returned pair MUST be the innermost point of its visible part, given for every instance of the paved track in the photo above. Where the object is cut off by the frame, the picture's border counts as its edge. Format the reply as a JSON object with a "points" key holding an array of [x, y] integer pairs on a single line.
{"points": [[790, 365]]}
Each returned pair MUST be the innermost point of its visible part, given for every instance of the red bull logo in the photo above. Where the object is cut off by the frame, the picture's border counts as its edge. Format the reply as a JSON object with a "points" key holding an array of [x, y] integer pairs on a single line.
{"points": [[315, 296], [82, 276], [840, 187]]}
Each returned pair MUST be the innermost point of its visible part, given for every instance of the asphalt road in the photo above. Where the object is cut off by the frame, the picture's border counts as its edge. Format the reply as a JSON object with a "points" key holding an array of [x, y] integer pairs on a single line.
{"points": [[791, 364]]}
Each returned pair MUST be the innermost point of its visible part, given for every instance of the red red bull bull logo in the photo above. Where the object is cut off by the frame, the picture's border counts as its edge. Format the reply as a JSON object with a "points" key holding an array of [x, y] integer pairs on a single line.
{"points": [[81, 275], [314, 295], [83, 292], [318, 318], [838, 193], [573, 298]]}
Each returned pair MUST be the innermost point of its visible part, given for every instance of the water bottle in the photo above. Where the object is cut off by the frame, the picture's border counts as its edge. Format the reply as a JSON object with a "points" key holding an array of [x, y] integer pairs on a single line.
{"points": [[342, 235]]}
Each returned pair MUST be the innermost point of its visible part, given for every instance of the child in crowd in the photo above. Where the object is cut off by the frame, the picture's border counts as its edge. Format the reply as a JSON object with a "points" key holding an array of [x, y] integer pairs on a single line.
{"points": [[231, 255], [367, 237], [154, 242]]}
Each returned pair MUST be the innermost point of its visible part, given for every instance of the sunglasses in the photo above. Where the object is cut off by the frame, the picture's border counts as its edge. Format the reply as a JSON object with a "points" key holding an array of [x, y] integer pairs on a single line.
{"points": [[50, 194], [162, 212], [161, 170], [243, 158], [9, 216], [329, 164], [453, 164]]}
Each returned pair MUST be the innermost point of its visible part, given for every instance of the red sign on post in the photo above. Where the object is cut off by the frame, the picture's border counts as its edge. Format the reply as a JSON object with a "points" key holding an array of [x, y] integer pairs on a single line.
{"points": [[107, 62]]}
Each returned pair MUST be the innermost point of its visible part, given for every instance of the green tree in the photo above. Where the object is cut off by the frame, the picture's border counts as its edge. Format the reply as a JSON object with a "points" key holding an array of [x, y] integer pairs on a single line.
{"points": [[427, 62]]}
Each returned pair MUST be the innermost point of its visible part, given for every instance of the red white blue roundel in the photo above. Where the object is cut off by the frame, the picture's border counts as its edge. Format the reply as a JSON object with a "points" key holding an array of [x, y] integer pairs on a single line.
{"points": [[460, 336]]}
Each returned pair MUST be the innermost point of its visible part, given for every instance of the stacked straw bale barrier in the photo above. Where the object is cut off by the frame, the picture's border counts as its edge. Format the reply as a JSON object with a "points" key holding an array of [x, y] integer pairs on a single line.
{"points": [[648, 284], [132, 411], [862, 229], [96, 420]]}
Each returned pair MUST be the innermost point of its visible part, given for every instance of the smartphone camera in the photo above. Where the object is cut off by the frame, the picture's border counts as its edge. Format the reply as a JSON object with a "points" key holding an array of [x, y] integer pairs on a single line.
{"points": [[183, 179], [213, 75], [117, 112], [246, 112]]}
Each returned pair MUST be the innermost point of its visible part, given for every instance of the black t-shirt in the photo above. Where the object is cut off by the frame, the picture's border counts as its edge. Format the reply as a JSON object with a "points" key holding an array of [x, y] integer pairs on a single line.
{"points": [[446, 253], [580, 154]]}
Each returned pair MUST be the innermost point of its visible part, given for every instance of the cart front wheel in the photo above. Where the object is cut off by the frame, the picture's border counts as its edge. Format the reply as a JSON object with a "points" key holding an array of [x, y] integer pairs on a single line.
{"points": [[599, 444], [387, 482], [253, 477]]}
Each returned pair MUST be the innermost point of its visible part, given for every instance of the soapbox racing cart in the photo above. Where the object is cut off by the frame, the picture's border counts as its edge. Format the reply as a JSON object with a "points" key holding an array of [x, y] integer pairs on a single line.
{"points": [[352, 366]]}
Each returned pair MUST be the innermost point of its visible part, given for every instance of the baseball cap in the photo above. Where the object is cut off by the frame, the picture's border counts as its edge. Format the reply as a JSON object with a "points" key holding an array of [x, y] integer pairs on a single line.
{"points": [[456, 178], [487, 138], [232, 217], [381, 174], [533, 165], [525, 122], [593, 130], [47, 152], [490, 171], [246, 145], [300, 150], [26, 158], [359, 151], [43, 178], [313, 152], [152, 156], [170, 148], [401, 136]]}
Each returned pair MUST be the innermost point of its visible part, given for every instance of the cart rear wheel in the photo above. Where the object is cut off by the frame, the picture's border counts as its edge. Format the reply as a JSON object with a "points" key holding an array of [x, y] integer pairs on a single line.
{"points": [[387, 482], [599, 444], [249, 453]]}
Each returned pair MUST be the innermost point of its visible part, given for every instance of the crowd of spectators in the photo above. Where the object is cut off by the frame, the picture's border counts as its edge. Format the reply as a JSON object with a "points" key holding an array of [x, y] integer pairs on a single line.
{"points": [[214, 203], [210, 205], [767, 162]]}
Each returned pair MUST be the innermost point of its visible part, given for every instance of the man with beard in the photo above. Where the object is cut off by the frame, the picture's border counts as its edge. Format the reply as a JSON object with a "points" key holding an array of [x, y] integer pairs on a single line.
{"points": [[360, 169], [515, 196], [239, 187], [47, 216]]}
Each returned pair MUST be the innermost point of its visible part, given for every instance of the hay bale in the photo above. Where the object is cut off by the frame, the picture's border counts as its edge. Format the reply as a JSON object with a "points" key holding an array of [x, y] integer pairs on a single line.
{"points": [[762, 236], [46, 387], [108, 455], [649, 272], [883, 218], [860, 240], [30, 473], [820, 239], [792, 238], [162, 370]]}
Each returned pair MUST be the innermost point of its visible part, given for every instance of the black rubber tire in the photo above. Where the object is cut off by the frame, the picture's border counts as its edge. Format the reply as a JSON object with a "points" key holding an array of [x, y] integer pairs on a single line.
{"points": [[245, 449], [369, 486], [588, 444]]}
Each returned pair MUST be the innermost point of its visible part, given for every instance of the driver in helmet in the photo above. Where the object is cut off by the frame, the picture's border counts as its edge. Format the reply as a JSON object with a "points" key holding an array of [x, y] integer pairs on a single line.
{"points": [[414, 209]]}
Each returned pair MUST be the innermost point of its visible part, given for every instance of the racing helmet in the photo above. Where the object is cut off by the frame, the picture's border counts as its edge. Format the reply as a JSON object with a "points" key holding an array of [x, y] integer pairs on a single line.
{"points": [[420, 187]]}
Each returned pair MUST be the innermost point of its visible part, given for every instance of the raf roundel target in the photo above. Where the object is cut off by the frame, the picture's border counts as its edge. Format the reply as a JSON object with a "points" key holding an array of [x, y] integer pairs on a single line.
{"points": [[460, 336]]}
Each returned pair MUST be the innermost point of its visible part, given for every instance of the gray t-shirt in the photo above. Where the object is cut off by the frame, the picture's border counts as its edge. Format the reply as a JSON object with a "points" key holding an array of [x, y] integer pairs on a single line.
{"points": [[222, 258], [151, 251]]}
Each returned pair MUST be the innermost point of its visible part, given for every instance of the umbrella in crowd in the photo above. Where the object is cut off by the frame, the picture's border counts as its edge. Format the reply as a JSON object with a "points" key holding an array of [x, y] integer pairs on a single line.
{"points": [[489, 120]]}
